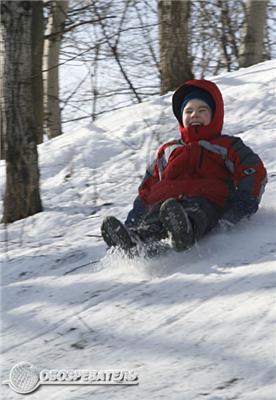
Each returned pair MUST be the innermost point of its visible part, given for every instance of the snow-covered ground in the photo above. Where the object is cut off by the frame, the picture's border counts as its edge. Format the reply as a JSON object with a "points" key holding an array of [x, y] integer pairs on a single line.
{"points": [[194, 325]]}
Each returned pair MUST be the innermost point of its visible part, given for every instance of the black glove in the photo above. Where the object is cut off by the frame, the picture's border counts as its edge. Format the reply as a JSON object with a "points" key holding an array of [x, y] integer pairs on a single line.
{"points": [[240, 205]]}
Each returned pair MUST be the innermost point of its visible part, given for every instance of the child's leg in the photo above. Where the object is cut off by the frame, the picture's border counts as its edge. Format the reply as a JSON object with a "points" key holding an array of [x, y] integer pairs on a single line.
{"points": [[151, 228], [188, 220], [202, 213], [117, 234]]}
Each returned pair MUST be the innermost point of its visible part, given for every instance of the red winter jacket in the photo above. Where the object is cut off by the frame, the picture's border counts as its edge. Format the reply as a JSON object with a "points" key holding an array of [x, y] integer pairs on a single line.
{"points": [[203, 163]]}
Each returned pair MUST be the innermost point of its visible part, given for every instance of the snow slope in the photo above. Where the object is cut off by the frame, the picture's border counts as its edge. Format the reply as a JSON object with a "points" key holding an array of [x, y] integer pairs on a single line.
{"points": [[196, 325]]}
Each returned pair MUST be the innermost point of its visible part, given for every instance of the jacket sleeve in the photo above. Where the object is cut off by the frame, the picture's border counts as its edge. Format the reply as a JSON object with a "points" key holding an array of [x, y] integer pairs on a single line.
{"points": [[140, 208], [150, 178], [250, 178]]}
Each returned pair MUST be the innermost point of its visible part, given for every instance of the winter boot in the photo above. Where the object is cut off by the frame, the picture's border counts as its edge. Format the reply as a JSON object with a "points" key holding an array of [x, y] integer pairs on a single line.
{"points": [[115, 234], [177, 224]]}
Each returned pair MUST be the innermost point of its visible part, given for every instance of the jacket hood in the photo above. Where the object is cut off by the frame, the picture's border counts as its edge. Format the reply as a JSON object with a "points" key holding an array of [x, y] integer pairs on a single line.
{"points": [[195, 133]]}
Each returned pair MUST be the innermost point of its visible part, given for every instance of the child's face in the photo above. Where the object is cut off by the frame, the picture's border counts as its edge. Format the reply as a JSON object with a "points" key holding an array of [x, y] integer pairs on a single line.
{"points": [[196, 112]]}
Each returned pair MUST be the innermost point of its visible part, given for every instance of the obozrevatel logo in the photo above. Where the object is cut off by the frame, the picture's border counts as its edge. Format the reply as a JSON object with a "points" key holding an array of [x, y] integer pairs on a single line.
{"points": [[25, 378]]}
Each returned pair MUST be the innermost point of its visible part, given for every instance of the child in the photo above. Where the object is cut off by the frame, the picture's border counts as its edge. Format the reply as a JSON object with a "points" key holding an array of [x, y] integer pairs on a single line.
{"points": [[195, 181]]}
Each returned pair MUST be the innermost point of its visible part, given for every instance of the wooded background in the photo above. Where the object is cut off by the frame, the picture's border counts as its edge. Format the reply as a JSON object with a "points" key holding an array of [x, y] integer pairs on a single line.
{"points": [[63, 62]]}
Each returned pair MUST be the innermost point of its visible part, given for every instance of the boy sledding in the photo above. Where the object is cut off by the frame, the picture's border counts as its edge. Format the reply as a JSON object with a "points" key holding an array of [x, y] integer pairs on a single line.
{"points": [[194, 181]]}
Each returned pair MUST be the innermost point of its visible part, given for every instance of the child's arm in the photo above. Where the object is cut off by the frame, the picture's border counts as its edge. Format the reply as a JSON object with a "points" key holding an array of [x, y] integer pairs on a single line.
{"points": [[140, 208], [250, 179], [240, 205]]}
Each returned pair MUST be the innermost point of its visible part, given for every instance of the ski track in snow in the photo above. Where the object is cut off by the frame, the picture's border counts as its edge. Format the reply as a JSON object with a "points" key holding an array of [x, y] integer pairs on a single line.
{"points": [[194, 325]]}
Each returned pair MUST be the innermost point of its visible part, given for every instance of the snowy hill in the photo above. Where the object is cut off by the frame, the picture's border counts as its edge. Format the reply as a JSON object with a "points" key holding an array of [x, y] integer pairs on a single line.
{"points": [[194, 325]]}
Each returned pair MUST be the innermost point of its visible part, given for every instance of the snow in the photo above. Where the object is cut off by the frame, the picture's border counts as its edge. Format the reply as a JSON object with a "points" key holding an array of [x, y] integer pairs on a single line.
{"points": [[194, 325]]}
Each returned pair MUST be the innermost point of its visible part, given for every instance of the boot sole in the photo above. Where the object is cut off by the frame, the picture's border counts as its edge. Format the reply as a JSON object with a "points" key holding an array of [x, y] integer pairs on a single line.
{"points": [[177, 223], [115, 234]]}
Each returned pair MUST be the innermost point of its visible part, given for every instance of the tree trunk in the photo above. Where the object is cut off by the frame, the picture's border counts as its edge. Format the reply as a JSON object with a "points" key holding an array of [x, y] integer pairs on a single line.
{"points": [[175, 64], [224, 30], [252, 48], [51, 56], [2, 108], [22, 196], [37, 54]]}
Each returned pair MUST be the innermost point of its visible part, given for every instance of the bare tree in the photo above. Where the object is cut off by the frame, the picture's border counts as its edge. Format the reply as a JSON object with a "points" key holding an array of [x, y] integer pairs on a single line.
{"points": [[2, 107], [121, 37], [55, 30], [113, 46], [228, 40], [252, 46], [117, 39], [215, 28], [175, 64], [22, 197], [37, 54]]}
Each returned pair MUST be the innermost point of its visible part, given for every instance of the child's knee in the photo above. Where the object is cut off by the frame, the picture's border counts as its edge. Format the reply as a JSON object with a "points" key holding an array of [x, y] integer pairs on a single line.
{"points": [[202, 214]]}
